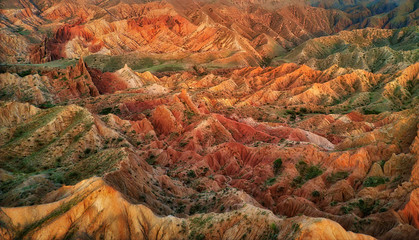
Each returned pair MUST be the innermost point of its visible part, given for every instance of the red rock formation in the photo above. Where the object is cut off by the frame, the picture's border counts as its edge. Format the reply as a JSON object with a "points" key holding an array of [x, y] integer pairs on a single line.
{"points": [[212, 152], [164, 121], [409, 213]]}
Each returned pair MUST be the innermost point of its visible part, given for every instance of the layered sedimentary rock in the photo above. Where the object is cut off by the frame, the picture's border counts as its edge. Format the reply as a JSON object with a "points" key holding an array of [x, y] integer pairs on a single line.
{"points": [[214, 150], [213, 33], [209, 120]]}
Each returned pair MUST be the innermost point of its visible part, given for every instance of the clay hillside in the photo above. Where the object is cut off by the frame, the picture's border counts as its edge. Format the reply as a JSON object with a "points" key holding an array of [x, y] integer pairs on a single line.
{"points": [[224, 119]]}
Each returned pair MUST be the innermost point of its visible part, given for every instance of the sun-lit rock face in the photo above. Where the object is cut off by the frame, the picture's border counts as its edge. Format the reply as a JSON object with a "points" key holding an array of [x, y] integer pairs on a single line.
{"points": [[205, 119], [410, 210], [361, 49], [192, 143], [216, 33], [93, 204]]}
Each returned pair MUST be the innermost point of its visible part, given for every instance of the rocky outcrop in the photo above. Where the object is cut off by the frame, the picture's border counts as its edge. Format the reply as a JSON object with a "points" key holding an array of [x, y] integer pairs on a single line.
{"points": [[87, 209], [360, 49], [211, 152], [218, 33]]}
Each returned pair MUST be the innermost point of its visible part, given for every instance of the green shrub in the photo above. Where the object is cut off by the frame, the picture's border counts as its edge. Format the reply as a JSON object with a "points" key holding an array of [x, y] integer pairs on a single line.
{"points": [[189, 114], [346, 209], [277, 165], [371, 111], [383, 209], [200, 237], [87, 151], [198, 208], [108, 110], [375, 181], [265, 62], [315, 193], [274, 228], [183, 144], [303, 110], [151, 159], [105, 111], [297, 181], [72, 177], [273, 231], [270, 181], [337, 176], [24, 73], [301, 167], [366, 207], [312, 172], [382, 163], [295, 227], [22, 31], [191, 174], [57, 177], [308, 172], [46, 105]]}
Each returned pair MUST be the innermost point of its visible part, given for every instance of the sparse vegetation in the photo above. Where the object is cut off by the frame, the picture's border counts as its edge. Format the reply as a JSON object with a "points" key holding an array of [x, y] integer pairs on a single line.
{"points": [[375, 181], [201, 168], [371, 111], [191, 174], [337, 176], [366, 206], [189, 114], [113, 110], [277, 165], [183, 144], [292, 114], [307, 172], [151, 159], [312, 172], [22, 31], [382, 163], [270, 181], [315, 193], [295, 227], [272, 232], [57, 212], [297, 181], [346, 209], [87, 151], [265, 62], [46, 105], [25, 73]]}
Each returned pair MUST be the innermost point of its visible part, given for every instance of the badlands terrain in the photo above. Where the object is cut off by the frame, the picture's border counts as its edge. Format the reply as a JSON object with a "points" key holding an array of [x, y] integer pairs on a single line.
{"points": [[131, 119]]}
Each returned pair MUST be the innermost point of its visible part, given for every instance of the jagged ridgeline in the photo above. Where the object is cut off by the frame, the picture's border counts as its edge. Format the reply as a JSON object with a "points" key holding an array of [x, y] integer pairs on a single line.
{"points": [[175, 35], [209, 119]]}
